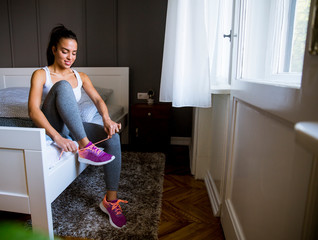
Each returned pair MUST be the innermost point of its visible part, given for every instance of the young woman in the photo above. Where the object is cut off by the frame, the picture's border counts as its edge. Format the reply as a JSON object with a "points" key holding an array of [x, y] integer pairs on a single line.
{"points": [[58, 86]]}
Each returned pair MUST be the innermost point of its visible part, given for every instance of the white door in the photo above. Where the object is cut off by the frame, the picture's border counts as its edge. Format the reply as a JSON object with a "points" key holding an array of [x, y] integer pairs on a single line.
{"points": [[268, 174]]}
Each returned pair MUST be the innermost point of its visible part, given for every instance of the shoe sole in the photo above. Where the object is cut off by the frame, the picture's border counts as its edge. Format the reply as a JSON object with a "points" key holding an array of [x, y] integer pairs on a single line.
{"points": [[101, 205], [87, 161]]}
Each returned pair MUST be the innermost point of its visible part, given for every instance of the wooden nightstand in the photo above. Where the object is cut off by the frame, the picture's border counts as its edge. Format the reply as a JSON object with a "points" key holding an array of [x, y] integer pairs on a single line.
{"points": [[150, 126]]}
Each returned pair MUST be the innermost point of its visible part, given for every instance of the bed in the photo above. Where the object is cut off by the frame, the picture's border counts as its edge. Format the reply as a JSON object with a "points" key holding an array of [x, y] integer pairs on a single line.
{"points": [[31, 176]]}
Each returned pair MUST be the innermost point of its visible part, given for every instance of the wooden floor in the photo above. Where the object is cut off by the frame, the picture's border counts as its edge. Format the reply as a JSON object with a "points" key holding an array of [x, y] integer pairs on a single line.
{"points": [[186, 209]]}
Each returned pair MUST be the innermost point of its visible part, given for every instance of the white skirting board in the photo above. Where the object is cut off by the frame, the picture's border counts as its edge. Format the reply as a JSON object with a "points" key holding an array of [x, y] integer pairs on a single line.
{"points": [[230, 224], [213, 194], [181, 141]]}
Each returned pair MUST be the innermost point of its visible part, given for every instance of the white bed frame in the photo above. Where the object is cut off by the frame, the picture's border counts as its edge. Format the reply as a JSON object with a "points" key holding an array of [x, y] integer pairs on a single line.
{"points": [[27, 185]]}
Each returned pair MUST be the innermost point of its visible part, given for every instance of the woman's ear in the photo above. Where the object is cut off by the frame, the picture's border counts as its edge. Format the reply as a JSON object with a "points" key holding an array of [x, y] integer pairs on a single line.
{"points": [[53, 50]]}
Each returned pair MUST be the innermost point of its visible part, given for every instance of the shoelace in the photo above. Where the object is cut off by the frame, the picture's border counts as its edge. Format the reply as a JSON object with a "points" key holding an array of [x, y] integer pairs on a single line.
{"points": [[92, 148], [116, 207], [89, 147]]}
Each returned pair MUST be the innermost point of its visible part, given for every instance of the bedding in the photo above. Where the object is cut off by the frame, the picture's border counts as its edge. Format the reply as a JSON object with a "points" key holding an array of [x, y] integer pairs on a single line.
{"points": [[14, 110], [14, 102], [15, 122], [14, 113]]}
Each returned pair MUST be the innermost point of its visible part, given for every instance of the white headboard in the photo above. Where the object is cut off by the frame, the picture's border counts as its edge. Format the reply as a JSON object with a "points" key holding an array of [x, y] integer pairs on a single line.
{"points": [[116, 78]]}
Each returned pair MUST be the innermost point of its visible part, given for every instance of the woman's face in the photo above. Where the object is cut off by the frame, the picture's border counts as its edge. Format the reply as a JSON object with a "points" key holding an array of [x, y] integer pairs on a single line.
{"points": [[65, 52]]}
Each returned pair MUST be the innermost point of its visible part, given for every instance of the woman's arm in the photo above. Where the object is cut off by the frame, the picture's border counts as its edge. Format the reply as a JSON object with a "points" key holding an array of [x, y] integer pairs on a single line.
{"points": [[110, 126], [35, 96]]}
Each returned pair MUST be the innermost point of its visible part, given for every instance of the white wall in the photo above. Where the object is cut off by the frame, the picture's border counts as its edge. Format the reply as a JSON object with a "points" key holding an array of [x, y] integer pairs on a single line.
{"points": [[267, 178], [209, 144]]}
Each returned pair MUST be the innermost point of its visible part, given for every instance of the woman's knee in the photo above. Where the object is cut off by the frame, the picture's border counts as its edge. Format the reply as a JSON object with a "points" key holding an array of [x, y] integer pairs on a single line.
{"points": [[115, 139], [62, 85], [113, 145]]}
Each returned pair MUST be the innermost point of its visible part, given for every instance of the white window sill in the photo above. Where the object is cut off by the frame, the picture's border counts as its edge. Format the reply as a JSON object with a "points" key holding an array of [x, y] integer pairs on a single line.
{"points": [[291, 80], [307, 135], [221, 89]]}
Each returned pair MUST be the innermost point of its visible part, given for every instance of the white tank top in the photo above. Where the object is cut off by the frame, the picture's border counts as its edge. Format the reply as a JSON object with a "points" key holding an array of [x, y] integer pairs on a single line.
{"points": [[48, 84]]}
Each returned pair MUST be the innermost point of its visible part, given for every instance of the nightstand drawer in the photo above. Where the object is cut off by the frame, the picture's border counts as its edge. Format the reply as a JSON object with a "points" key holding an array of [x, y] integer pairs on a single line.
{"points": [[150, 125], [159, 111]]}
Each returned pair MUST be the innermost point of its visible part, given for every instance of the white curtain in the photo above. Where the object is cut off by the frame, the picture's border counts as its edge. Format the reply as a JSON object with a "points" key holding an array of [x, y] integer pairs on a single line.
{"points": [[185, 77], [196, 55]]}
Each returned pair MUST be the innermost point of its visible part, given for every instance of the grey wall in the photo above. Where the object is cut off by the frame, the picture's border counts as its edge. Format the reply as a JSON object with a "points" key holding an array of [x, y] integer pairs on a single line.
{"points": [[110, 33]]}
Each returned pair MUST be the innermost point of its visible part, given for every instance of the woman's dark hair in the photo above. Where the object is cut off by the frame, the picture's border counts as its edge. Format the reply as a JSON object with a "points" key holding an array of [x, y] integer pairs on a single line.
{"points": [[57, 33]]}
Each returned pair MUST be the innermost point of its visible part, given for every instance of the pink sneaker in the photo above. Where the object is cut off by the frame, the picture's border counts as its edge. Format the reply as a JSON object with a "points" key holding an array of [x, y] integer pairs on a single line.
{"points": [[93, 155], [113, 210]]}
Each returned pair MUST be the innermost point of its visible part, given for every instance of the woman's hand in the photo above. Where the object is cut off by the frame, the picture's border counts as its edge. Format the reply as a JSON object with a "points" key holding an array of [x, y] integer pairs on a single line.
{"points": [[65, 144], [111, 127]]}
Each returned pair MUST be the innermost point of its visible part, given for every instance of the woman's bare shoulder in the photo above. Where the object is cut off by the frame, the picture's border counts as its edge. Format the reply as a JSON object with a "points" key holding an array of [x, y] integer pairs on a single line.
{"points": [[83, 75], [39, 72], [39, 75]]}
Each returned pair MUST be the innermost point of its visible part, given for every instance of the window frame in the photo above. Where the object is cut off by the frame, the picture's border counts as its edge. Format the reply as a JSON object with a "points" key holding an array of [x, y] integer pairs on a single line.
{"points": [[279, 74]]}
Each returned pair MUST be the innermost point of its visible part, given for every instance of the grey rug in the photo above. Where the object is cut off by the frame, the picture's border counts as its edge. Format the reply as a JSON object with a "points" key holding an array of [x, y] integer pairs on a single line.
{"points": [[76, 211]]}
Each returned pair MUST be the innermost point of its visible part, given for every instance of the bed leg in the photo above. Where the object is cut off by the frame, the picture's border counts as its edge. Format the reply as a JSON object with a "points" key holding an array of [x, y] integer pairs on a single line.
{"points": [[41, 221], [40, 206]]}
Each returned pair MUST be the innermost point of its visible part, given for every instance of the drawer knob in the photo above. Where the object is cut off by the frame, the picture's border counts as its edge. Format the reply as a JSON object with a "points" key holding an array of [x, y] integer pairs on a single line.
{"points": [[149, 114]]}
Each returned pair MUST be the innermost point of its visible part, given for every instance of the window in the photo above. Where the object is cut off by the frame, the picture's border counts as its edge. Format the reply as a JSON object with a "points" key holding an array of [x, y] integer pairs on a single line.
{"points": [[275, 33], [219, 22], [299, 35]]}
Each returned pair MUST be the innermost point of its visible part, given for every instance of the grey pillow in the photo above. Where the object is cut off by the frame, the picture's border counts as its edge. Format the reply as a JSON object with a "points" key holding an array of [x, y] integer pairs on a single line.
{"points": [[105, 93], [86, 105]]}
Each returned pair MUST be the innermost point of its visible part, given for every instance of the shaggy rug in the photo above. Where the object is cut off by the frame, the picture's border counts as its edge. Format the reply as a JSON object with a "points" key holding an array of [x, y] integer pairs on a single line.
{"points": [[76, 211]]}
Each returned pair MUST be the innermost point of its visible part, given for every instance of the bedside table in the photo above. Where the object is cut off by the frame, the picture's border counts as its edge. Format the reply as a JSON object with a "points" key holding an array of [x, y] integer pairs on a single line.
{"points": [[150, 125]]}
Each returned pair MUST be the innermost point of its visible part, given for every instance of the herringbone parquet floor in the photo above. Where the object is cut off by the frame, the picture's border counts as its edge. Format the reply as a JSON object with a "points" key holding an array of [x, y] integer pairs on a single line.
{"points": [[186, 209]]}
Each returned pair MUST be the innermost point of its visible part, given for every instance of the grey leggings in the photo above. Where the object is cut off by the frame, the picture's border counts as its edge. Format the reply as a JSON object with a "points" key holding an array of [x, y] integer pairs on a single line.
{"points": [[61, 110]]}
